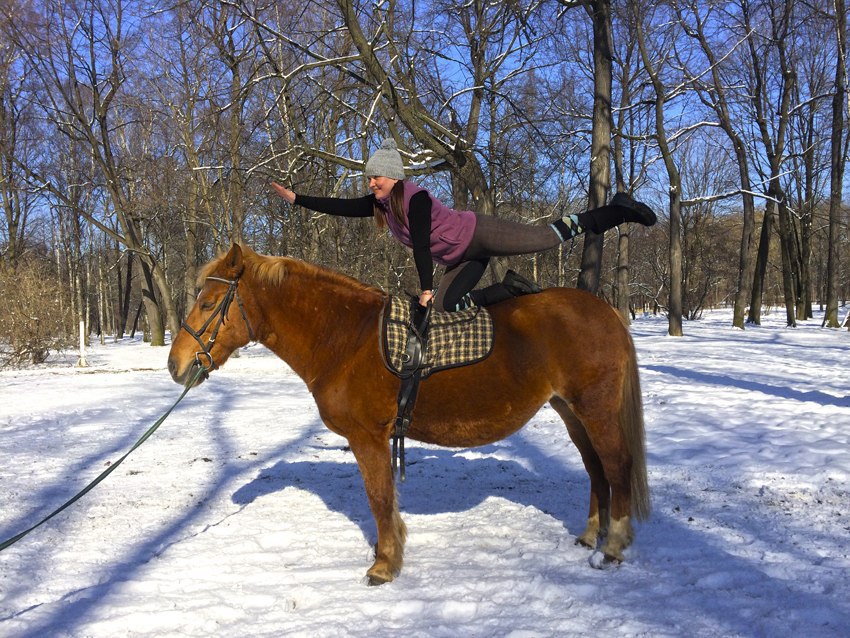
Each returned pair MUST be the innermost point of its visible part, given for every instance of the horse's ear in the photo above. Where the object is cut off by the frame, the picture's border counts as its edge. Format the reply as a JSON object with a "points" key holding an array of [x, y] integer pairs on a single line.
{"points": [[234, 262]]}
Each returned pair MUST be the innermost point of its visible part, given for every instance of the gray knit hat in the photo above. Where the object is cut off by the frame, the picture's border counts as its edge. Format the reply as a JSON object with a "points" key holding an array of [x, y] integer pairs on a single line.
{"points": [[386, 161]]}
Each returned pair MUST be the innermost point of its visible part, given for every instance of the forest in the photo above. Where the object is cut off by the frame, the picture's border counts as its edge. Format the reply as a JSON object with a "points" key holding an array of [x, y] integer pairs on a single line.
{"points": [[138, 140]]}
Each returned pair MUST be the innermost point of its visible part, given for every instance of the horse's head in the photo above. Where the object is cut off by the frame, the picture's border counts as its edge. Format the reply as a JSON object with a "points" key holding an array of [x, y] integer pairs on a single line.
{"points": [[216, 326]]}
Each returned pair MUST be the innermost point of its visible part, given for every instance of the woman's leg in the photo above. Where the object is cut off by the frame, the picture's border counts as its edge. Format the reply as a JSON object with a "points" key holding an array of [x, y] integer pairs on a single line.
{"points": [[496, 237], [501, 238], [456, 283], [493, 238]]}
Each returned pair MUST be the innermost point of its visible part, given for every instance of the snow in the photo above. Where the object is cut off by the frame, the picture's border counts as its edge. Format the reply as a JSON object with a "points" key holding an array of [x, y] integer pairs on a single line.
{"points": [[244, 516]]}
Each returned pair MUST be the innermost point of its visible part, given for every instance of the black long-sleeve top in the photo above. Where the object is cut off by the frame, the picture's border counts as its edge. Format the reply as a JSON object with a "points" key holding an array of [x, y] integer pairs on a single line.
{"points": [[418, 222]]}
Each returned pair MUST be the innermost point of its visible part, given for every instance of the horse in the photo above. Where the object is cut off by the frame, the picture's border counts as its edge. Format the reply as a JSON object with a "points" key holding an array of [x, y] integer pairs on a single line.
{"points": [[562, 346]]}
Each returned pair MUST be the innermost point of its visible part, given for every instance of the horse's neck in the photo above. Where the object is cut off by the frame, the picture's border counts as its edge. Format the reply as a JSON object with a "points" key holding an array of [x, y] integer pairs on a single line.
{"points": [[315, 322]]}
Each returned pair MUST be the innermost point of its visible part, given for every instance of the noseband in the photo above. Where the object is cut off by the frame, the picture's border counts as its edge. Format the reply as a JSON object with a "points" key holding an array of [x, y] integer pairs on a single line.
{"points": [[219, 314]]}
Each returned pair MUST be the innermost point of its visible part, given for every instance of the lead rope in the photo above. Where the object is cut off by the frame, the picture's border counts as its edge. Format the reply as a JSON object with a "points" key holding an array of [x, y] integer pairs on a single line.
{"points": [[14, 539]]}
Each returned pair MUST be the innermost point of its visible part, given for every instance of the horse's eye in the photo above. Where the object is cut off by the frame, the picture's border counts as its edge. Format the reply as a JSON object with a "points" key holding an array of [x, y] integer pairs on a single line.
{"points": [[206, 305]]}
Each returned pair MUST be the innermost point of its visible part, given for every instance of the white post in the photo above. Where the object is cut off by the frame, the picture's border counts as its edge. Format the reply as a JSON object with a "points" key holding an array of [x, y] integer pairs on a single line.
{"points": [[82, 361]]}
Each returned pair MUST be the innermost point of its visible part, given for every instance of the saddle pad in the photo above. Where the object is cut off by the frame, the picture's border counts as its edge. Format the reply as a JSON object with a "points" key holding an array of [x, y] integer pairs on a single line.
{"points": [[454, 338]]}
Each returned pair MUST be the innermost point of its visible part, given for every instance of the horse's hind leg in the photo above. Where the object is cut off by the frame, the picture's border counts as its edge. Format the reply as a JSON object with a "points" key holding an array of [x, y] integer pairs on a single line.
{"points": [[373, 457], [595, 429], [600, 490]]}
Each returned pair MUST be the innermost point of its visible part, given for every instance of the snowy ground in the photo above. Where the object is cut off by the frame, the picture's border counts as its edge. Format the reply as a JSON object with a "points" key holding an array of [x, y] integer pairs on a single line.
{"points": [[244, 516]]}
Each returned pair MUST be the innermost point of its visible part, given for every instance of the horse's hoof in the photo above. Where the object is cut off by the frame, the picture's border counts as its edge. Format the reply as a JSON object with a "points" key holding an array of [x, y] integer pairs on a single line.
{"points": [[375, 581], [601, 560], [379, 576]]}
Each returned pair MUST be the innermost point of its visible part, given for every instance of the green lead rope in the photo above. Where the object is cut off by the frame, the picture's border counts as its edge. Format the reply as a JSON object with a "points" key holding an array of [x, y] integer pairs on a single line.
{"points": [[109, 470]]}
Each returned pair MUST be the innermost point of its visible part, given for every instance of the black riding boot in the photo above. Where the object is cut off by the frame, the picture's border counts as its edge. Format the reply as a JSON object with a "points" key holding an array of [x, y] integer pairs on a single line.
{"points": [[621, 209], [490, 295], [519, 285], [513, 285]]}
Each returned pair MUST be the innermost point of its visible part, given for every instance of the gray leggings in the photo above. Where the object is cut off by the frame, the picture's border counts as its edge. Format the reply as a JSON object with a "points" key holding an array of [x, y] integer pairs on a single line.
{"points": [[493, 237]]}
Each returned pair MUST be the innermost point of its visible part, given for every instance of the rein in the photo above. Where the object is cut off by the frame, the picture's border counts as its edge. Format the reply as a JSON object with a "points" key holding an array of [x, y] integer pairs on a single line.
{"points": [[220, 313]]}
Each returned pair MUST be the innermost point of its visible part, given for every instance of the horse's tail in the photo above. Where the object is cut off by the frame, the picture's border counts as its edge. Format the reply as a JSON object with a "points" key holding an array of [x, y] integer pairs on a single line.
{"points": [[631, 422]]}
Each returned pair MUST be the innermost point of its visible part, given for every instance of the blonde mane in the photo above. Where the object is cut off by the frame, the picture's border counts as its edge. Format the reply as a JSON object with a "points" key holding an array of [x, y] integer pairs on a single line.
{"points": [[273, 271]]}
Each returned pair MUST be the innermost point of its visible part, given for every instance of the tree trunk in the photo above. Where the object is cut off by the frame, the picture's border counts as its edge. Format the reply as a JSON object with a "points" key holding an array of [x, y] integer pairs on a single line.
{"points": [[789, 276], [124, 311], [152, 312], [804, 254], [622, 298], [189, 277], [837, 160], [675, 300], [760, 270], [745, 253], [773, 132], [600, 145], [102, 302]]}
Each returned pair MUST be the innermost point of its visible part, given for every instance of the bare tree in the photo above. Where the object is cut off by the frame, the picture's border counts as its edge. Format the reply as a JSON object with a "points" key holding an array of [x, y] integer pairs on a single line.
{"points": [[17, 134], [632, 126], [391, 76], [505, 108], [654, 60], [80, 54], [622, 296], [600, 147], [767, 46], [838, 155], [714, 84], [809, 147], [204, 91], [708, 254]]}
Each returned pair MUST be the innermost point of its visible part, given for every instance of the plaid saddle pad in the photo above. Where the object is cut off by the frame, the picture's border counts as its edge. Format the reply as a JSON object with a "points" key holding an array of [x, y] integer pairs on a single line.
{"points": [[454, 338]]}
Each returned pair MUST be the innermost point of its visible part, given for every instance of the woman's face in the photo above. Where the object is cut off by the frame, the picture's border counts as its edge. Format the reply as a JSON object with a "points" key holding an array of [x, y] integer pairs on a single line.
{"points": [[381, 186]]}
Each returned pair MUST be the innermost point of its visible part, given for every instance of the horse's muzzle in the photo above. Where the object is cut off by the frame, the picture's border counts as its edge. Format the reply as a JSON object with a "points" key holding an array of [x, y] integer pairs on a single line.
{"points": [[183, 377]]}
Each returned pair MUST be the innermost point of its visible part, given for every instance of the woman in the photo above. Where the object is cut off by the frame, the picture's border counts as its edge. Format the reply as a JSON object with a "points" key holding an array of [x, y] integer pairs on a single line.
{"points": [[462, 241]]}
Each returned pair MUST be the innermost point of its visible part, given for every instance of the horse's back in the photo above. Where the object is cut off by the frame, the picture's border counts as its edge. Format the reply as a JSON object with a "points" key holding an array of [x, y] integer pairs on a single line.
{"points": [[565, 323], [551, 343]]}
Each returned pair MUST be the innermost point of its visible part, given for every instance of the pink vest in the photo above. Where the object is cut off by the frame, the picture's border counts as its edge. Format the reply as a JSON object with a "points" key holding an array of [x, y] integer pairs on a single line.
{"points": [[451, 230]]}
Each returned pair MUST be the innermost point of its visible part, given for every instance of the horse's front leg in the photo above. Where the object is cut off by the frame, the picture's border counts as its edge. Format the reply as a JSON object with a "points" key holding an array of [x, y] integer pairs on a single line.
{"points": [[372, 452]]}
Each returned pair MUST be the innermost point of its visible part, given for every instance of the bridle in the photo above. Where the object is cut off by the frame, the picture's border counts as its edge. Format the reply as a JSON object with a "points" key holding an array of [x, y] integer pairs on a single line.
{"points": [[220, 313]]}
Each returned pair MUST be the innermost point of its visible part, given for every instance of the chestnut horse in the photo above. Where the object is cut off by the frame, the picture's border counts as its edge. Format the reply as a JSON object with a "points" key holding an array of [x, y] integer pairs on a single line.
{"points": [[564, 346]]}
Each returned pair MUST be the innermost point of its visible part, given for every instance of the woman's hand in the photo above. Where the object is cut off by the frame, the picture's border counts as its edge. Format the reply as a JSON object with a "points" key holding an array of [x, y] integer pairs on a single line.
{"points": [[284, 192], [426, 297]]}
